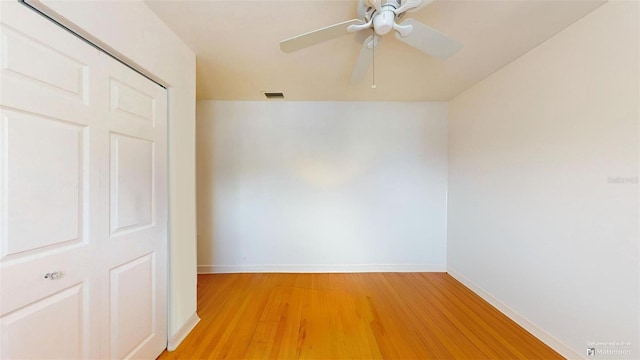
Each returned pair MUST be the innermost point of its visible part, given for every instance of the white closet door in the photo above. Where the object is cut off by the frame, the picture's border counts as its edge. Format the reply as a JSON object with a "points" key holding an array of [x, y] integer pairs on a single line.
{"points": [[82, 198], [134, 252]]}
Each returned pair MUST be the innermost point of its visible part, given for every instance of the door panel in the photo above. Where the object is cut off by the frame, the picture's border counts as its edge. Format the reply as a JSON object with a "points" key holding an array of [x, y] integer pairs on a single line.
{"points": [[42, 148], [132, 173], [128, 102], [33, 60], [56, 323], [52, 75], [136, 104], [132, 318]]}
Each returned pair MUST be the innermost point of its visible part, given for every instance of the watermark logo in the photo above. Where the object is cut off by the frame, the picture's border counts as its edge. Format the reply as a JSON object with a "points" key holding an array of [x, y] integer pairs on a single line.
{"points": [[609, 348], [622, 180]]}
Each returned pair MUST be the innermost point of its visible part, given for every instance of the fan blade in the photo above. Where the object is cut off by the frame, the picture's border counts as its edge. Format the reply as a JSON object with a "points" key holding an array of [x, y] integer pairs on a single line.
{"points": [[376, 4], [364, 59], [317, 36], [411, 6], [361, 36], [429, 40]]}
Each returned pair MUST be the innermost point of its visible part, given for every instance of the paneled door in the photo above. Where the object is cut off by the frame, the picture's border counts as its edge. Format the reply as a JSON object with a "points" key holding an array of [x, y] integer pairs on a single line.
{"points": [[83, 198]]}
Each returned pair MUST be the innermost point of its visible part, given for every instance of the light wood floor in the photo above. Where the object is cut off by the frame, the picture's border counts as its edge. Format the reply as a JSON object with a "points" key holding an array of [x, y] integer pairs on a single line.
{"points": [[350, 316]]}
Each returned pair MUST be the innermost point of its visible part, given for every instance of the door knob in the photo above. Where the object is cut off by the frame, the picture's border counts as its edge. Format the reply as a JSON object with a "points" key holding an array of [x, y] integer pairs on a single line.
{"points": [[53, 275]]}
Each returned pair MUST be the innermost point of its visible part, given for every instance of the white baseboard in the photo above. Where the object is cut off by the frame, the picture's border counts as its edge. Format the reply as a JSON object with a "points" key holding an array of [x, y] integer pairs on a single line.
{"points": [[319, 268], [182, 333], [534, 329]]}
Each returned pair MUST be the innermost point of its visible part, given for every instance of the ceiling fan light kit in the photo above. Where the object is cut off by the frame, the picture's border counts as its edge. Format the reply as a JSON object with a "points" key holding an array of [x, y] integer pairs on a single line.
{"points": [[380, 16]]}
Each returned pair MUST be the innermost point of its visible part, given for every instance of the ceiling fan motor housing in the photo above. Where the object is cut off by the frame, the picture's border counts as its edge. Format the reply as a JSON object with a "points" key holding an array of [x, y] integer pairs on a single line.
{"points": [[384, 19]]}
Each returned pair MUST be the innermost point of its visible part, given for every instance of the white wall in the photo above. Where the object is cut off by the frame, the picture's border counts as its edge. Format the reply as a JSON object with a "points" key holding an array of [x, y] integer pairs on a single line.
{"points": [[134, 32], [321, 186], [536, 220]]}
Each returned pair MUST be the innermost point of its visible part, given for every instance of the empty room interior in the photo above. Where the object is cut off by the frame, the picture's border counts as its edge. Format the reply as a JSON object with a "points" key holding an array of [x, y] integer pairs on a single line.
{"points": [[307, 179]]}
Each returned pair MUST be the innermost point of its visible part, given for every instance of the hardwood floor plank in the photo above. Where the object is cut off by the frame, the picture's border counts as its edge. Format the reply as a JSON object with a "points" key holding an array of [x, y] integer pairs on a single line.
{"points": [[350, 316]]}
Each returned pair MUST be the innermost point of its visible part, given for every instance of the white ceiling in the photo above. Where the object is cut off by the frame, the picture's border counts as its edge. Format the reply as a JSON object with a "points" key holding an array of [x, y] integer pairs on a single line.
{"points": [[238, 53]]}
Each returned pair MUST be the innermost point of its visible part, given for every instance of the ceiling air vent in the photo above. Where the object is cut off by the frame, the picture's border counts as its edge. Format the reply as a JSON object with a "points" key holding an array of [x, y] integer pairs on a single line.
{"points": [[274, 95]]}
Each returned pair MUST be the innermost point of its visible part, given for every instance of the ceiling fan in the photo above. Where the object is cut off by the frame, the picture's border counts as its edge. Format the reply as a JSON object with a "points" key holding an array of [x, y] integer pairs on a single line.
{"points": [[381, 17]]}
